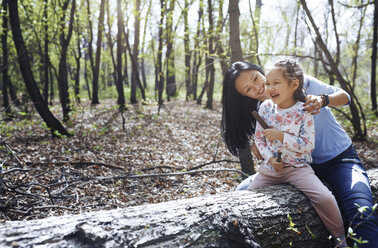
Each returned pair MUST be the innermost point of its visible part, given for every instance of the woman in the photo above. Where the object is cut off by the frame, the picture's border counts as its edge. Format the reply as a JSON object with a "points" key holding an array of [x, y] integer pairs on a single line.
{"points": [[334, 157]]}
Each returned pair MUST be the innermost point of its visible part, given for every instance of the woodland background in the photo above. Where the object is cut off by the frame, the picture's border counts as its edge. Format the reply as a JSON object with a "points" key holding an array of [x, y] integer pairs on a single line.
{"points": [[115, 103]]}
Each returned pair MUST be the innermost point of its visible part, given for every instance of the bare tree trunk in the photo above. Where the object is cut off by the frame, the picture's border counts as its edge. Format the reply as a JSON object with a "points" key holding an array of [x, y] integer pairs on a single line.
{"points": [[135, 61], [77, 59], [96, 71], [373, 92], [46, 53], [245, 156], [4, 68], [159, 68], [187, 50], [110, 42], [197, 58], [63, 73], [260, 218], [209, 59], [170, 58], [31, 85], [119, 83], [143, 69]]}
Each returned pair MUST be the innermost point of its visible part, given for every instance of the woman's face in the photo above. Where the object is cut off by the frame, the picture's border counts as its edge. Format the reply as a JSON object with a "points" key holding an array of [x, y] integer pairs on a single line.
{"points": [[251, 84]]}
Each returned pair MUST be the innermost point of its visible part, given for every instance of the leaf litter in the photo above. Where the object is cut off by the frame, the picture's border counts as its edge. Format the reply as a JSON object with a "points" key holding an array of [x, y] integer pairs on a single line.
{"points": [[89, 171]]}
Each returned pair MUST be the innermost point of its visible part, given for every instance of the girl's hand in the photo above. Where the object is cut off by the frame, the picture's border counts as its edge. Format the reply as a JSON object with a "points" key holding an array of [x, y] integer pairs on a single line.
{"points": [[273, 134], [313, 104], [277, 166]]}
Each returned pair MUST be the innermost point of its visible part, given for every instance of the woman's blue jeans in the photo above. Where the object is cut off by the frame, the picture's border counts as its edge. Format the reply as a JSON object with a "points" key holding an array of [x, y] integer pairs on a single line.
{"points": [[350, 184]]}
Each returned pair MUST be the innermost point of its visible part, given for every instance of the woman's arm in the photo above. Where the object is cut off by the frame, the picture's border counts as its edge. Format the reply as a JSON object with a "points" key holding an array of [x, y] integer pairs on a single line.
{"points": [[315, 89]]}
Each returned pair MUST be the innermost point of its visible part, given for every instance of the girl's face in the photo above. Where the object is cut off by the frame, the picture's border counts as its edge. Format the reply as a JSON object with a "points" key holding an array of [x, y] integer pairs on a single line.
{"points": [[279, 89], [251, 84]]}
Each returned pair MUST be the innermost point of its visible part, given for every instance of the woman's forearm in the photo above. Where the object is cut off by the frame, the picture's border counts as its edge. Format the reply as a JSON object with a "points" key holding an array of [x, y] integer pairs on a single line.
{"points": [[338, 98]]}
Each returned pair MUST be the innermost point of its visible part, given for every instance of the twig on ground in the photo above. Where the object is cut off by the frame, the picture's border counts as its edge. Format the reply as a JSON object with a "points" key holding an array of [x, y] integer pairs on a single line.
{"points": [[112, 166], [212, 162], [11, 151], [145, 176]]}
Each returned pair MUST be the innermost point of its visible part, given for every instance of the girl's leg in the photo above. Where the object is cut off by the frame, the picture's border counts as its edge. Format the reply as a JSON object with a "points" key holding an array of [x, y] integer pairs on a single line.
{"points": [[261, 180], [350, 183], [305, 180]]}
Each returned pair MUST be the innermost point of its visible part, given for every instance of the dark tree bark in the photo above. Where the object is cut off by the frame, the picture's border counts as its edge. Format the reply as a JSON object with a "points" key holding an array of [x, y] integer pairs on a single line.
{"points": [[197, 58], [256, 28], [245, 155], [259, 218], [219, 49], [4, 67], [63, 73], [142, 64], [96, 71], [187, 50], [373, 91], [236, 51], [110, 41], [119, 83], [159, 65], [90, 41], [46, 58], [135, 70], [31, 85], [210, 59], [170, 58], [77, 59]]}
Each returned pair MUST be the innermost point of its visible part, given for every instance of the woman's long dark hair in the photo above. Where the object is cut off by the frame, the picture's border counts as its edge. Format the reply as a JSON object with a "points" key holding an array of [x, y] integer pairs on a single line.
{"points": [[238, 124]]}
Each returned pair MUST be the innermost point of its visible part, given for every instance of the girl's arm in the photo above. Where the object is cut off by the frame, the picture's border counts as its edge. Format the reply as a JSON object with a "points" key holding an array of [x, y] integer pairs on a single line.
{"points": [[305, 141]]}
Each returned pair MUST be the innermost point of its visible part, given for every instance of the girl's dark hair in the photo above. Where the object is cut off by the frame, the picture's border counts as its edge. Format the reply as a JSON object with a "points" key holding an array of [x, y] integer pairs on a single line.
{"points": [[238, 124], [292, 70]]}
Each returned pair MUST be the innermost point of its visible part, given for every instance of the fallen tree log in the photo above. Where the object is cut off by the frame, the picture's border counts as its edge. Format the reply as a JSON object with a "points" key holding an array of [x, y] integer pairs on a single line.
{"points": [[259, 218]]}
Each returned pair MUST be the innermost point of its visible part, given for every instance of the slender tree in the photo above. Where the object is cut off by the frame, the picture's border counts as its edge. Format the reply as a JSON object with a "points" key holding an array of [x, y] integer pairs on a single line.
{"points": [[245, 155], [210, 57], [4, 45], [170, 59], [30, 83], [187, 50], [96, 71], [64, 43], [159, 64], [373, 91], [119, 83], [135, 69], [46, 59], [142, 62], [197, 55]]}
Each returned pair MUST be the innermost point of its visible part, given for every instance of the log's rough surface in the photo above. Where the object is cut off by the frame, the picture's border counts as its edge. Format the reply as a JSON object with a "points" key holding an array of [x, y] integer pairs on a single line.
{"points": [[234, 219]]}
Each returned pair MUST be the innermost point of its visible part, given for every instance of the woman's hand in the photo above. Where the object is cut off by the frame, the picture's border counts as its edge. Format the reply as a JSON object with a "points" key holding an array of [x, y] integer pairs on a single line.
{"points": [[277, 166], [256, 152], [273, 134], [313, 104]]}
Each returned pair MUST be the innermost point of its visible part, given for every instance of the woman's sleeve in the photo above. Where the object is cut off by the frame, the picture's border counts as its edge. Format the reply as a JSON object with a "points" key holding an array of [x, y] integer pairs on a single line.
{"points": [[260, 139], [305, 141]]}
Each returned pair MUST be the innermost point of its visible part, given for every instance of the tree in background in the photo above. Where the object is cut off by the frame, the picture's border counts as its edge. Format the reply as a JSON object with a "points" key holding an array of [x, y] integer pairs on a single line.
{"points": [[64, 43], [4, 67], [27, 74], [245, 155], [96, 71], [170, 57], [373, 90], [119, 82]]}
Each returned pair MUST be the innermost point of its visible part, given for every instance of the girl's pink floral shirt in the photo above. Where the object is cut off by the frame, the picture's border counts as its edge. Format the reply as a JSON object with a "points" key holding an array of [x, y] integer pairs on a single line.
{"points": [[299, 134]]}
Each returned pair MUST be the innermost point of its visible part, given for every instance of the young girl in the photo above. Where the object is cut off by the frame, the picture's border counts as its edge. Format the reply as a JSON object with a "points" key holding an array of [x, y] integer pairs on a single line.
{"points": [[292, 132]]}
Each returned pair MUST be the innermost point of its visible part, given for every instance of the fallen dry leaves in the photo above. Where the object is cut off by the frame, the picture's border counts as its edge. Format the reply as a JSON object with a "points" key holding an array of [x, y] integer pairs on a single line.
{"points": [[88, 171]]}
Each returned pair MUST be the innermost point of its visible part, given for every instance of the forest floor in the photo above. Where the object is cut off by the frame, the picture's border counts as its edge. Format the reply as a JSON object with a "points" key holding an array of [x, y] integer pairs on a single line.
{"points": [[110, 163]]}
